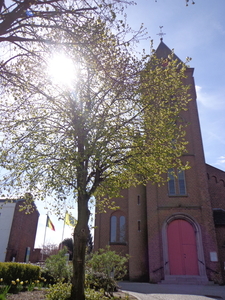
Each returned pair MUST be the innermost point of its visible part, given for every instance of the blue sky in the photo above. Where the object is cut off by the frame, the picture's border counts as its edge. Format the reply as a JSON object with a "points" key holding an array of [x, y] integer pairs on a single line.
{"points": [[196, 31]]}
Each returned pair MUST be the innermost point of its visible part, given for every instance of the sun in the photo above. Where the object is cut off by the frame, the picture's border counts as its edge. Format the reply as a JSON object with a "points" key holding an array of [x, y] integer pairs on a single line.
{"points": [[62, 70]]}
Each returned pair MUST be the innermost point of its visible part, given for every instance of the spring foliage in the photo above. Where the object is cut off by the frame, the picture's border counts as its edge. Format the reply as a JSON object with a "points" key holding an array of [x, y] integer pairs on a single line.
{"points": [[56, 266], [117, 121], [115, 125]]}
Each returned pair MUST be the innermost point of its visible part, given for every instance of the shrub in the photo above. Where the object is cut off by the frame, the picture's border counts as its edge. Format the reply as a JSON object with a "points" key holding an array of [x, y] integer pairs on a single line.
{"points": [[56, 267], [59, 291], [12, 271], [48, 278], [108, 262], [91, 294], [100, 281], [104, 268], [62, 291]]}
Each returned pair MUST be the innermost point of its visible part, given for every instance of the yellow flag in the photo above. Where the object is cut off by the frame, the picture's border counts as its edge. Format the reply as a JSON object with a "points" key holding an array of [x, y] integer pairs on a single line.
{"points": [[69, 220]]}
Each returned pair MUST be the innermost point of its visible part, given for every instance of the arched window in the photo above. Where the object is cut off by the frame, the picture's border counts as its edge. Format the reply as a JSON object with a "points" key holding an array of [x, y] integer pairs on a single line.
{"points": [[118, 228]]}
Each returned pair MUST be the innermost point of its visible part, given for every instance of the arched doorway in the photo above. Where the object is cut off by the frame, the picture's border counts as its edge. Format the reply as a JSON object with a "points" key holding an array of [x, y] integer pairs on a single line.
{"points": [[182, 249], [186, 245]]}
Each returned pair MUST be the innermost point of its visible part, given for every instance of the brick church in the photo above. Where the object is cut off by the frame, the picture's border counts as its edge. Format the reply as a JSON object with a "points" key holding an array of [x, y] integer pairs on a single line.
{"points": [[176, 232]]}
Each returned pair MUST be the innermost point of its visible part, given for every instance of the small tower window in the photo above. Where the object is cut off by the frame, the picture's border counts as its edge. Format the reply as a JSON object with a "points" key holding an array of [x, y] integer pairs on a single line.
{"points": [[138, 200], [139, 225]]}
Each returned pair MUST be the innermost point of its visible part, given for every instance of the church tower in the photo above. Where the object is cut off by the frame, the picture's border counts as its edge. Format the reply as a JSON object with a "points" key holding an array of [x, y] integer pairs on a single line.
{"points": [[168, 231]]}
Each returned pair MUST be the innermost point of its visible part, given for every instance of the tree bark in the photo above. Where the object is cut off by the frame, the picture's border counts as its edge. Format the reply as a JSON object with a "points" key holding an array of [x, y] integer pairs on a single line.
{"points": [[81, 234], [81, 231]]}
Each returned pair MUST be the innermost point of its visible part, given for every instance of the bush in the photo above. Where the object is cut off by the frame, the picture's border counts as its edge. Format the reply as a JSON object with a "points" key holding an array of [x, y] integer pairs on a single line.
{"points": [[108, 262], [100, 281], [104, 268], [57, 267], [91, 294], [59, 291], [24, 272], [48, 278], [62, 291]]}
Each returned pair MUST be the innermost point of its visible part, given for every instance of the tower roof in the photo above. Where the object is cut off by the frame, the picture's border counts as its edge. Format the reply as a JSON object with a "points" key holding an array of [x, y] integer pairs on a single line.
{"points": [[163, 51]]}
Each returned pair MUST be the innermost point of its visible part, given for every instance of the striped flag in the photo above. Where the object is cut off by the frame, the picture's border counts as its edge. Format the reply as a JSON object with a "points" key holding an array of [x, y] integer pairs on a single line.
{"points": [[49, 224]]}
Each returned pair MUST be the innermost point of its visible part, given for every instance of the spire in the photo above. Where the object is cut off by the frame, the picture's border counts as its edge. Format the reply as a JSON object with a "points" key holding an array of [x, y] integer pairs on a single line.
{"points": [[163, 51]]}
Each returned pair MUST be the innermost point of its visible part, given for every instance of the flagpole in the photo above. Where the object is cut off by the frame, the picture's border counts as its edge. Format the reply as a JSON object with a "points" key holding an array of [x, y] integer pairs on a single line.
{"points": [[63, 232], [44, 239]]}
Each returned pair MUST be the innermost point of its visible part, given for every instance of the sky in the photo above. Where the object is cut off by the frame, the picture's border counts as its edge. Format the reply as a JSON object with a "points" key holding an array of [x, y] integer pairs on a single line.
{"points": [[196, 31]]}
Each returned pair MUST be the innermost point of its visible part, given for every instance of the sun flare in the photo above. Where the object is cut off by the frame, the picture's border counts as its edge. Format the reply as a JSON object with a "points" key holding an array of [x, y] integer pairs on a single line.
{"points": [[62, 70]]}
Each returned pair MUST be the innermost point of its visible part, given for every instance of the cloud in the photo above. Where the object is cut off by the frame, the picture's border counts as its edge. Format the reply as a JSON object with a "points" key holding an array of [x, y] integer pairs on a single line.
{"points": [[203, 97], [221, 162], [210, 100]]}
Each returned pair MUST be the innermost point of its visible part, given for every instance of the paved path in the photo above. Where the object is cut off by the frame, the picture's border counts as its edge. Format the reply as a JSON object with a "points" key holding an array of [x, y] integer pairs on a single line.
{"points": [[147, 291]]}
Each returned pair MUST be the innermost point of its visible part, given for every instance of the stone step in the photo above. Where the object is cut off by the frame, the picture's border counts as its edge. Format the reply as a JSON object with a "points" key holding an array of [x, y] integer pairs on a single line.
{"points": [[186, 279]]}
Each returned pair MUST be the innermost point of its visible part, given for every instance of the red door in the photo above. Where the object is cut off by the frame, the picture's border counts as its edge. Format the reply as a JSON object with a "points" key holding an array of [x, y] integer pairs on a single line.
{"points": [[182, 248]]}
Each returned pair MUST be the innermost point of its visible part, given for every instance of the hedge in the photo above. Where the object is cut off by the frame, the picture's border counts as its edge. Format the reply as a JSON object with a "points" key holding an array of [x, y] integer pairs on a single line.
{"points": [[11, 271]]}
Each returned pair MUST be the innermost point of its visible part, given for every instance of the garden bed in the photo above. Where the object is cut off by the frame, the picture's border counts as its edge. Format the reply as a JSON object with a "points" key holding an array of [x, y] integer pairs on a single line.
{"points": [[40, 295], [36, 294]]}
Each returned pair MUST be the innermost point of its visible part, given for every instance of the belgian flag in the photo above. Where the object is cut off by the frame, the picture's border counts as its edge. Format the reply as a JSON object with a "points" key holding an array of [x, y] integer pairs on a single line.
{"points": [[49, 224]]}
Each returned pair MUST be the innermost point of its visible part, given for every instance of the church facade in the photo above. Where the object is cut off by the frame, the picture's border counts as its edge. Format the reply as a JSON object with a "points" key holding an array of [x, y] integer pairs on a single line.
{"points": [[176, 232]]}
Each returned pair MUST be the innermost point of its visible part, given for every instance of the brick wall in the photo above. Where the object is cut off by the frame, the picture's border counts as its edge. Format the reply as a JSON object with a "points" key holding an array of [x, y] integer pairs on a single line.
{"points": [[216, 182], [23, 233]]}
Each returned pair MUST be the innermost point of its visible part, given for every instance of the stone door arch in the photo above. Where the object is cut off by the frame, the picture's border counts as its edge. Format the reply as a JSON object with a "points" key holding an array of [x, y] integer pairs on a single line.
{"points": [[198, 267]]}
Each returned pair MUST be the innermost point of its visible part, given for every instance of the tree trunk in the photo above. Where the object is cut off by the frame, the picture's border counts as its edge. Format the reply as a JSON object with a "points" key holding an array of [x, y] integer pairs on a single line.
{"points": [[81, 234], [81, 231]]}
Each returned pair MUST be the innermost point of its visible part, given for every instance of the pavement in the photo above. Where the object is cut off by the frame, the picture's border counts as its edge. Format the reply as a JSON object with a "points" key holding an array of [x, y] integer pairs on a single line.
{"points": [[148, 291]]}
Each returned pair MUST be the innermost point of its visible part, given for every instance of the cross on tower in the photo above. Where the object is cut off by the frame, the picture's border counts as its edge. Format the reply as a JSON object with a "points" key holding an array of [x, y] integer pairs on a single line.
{"points": [[161, 34]]}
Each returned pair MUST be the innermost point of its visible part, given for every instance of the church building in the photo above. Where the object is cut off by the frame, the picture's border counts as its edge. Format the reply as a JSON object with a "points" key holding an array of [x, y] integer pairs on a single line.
{"points": [[174, 233]]}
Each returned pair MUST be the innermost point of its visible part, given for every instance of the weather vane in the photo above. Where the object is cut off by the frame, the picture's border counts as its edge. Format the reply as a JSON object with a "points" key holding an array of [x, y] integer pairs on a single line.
{"points": [[161, 34]]}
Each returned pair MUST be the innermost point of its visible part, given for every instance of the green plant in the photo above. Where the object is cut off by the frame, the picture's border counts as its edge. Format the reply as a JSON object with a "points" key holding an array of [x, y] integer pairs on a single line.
{"points": [[101, 282], [56, 266], [30, 286], [13, 271], [59, 291], [3, 291], [109, 262], [91, 294], [104, 268], [17, 286]]}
